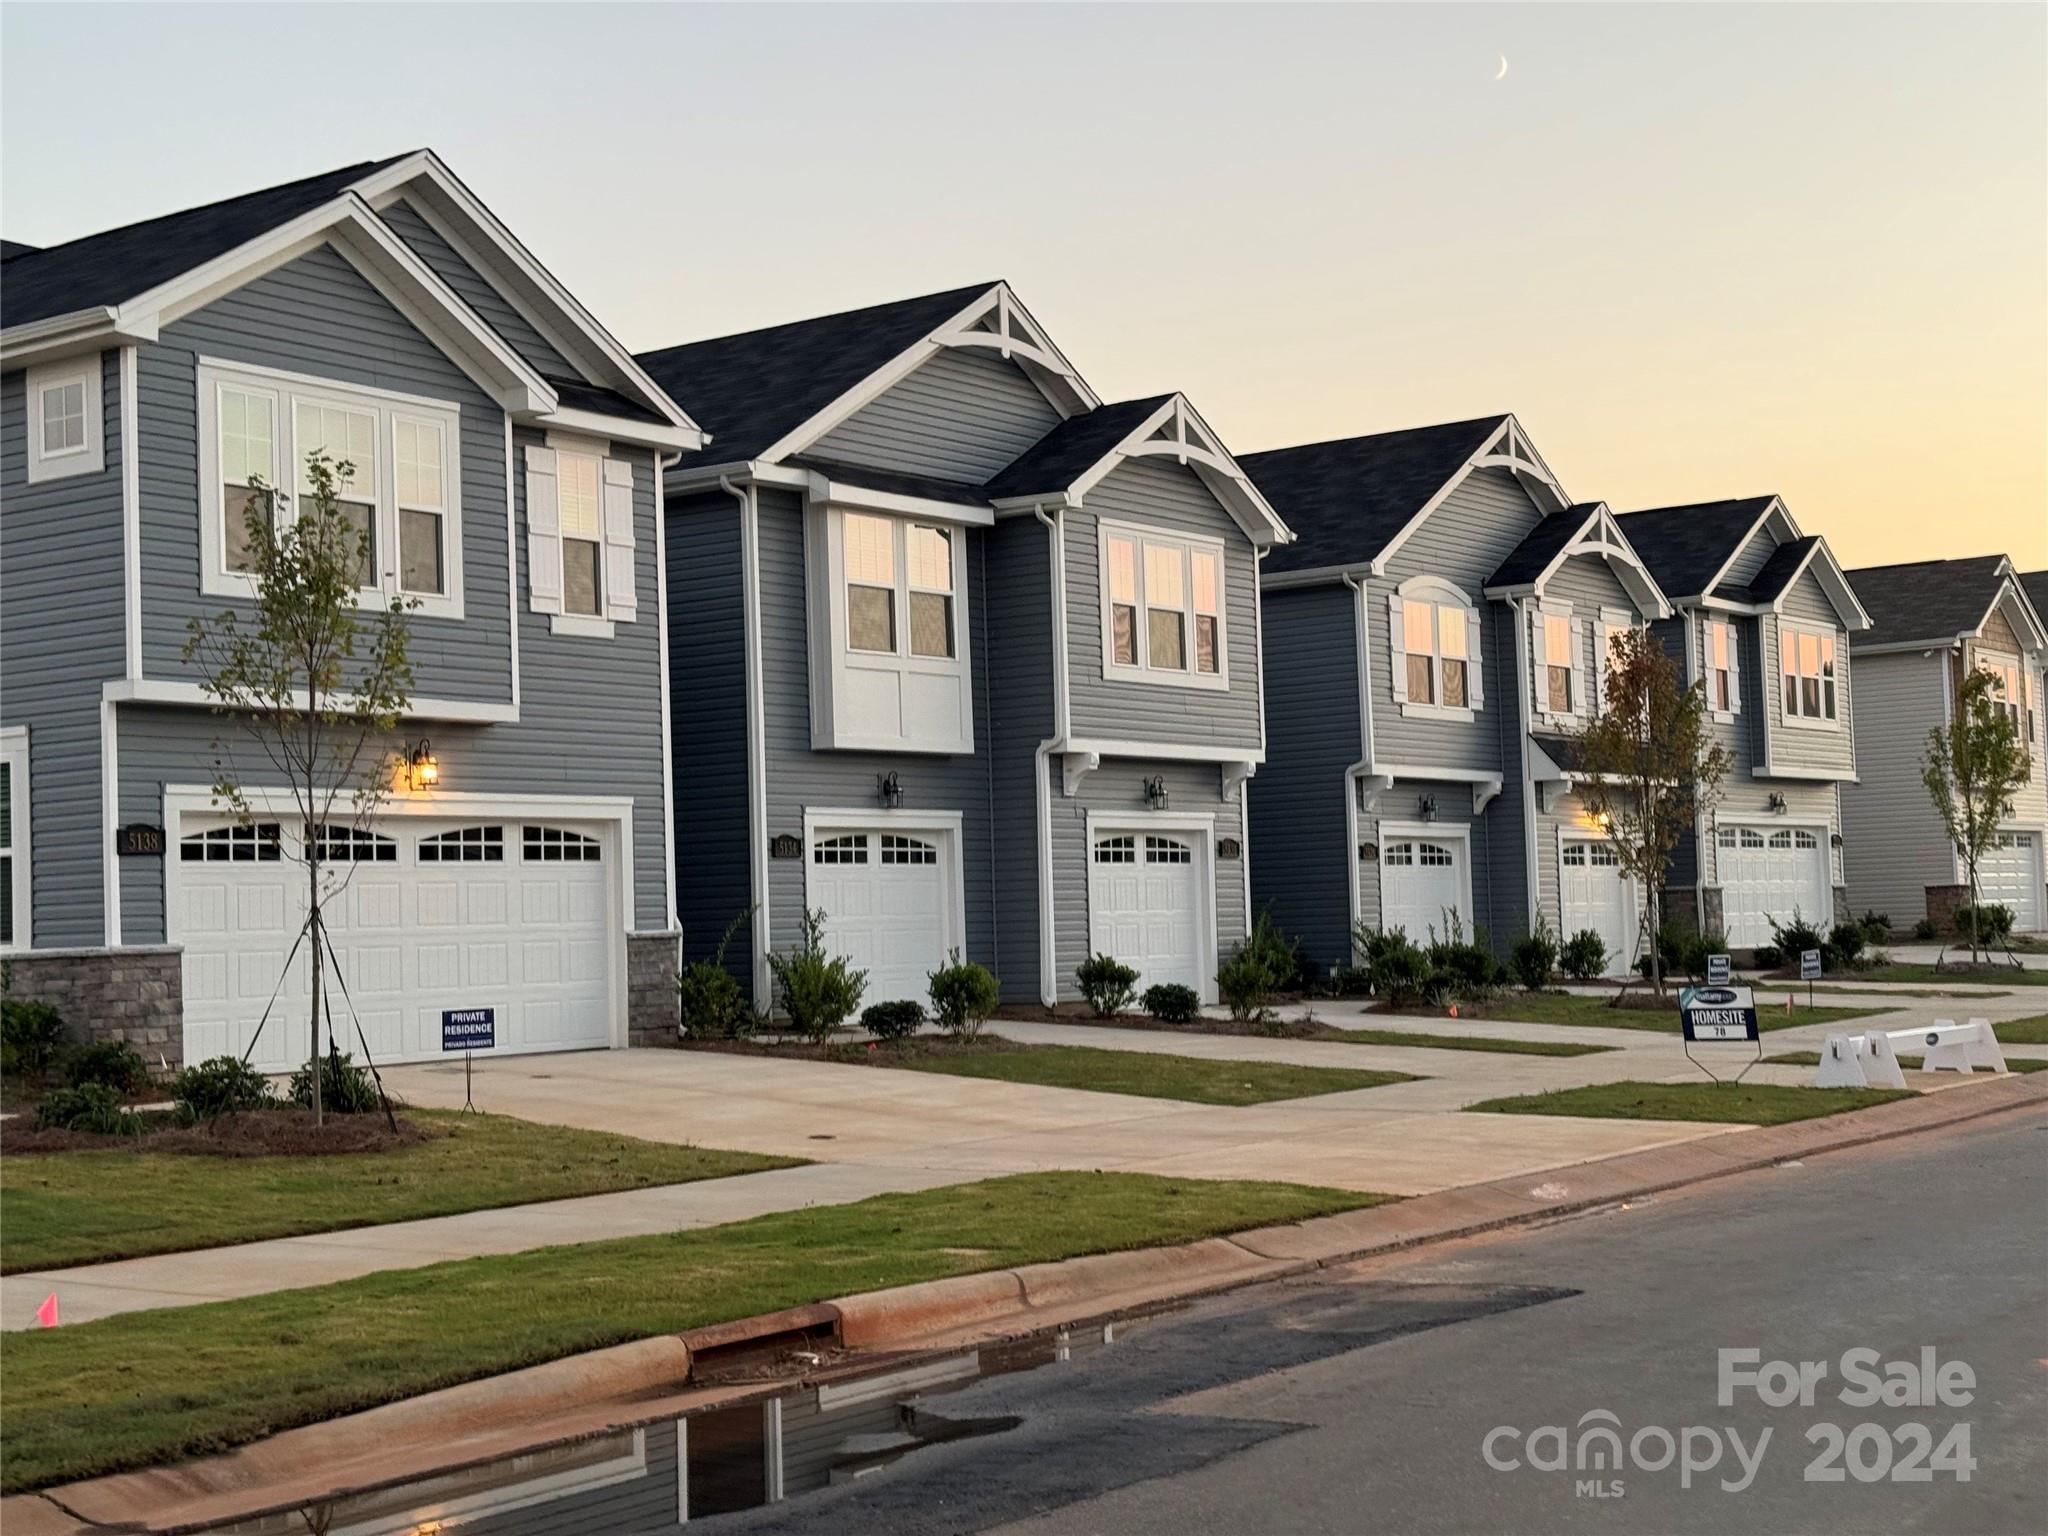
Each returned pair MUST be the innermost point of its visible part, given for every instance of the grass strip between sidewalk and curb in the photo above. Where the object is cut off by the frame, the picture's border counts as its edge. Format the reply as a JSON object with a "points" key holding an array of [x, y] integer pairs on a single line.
{"points": [[1728, 1103], [2001, 975], [1152, 1074], [146, 1387], [1597, 1013], [2032, 1030], [85, 1207], [1909, 1063], [1418, 1040]]}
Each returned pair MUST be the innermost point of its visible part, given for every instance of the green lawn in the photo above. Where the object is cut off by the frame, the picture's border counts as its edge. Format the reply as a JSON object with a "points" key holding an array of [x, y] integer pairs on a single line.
{"points": [[1825, 989], [1594, 1012], [147, 1387], [2004, 976], [83, 1207], [1739, 1103], [2028, 1031], [1909, 1063], [1148, 1074], [1465, 1042]]}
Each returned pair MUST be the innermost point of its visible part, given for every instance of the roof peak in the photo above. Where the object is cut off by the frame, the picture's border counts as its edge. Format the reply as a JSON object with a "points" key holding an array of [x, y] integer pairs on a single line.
{"points": [[1493, 420], [963, 294]]}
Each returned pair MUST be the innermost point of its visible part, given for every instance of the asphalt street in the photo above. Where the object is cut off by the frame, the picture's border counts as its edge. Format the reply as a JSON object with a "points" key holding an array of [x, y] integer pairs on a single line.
{"points": [[1459, 1389]]}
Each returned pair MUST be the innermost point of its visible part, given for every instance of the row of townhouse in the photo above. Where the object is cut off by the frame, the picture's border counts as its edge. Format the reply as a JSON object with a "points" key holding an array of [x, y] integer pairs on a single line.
{"points": [[886, 614]]}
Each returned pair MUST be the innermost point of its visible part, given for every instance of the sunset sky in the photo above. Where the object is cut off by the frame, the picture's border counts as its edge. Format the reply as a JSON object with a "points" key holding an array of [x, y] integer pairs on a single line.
{"points": [[1702, 251]]}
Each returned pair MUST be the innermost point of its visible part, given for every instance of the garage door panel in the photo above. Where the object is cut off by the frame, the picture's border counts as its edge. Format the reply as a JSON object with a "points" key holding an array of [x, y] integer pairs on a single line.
{"points": [[885, 900], [540, 961], [1771, 872], [2010, 874], [1144, 906], [1421, 878], [440, 904]]}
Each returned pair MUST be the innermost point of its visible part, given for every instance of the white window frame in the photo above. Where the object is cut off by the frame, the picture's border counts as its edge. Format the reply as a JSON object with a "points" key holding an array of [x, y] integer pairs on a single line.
{"points": [[287, 391], [1612, 622], [593, 625], [1578, 643], [1441, 597], [834, 662], [2003, 665], [90, 456], [1831, 672], [1726, 713], [1143, 671], [14, 752]]}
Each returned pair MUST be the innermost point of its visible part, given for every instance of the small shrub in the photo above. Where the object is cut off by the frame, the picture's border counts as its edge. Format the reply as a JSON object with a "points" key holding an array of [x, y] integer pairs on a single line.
{"points": [[1107, 983], [31, 1035], [1796, 937], [113, 1063], [345, 1088], [1173, 1003], [1245, 985], [224, 1085], [1990, 921], [1468, 968], [1348, 981], [1535, 956], [1280, 955], [1877, 927], [1768, 957], [1584, 956], [898, 1020], [709, 998], [963, 995], [1399, 972], [818, 991], [1845, 946], [1926, 931], [93, 1107]]}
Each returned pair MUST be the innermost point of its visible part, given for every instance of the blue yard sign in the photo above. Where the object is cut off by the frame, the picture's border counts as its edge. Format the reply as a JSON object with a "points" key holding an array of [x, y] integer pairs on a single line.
{"points": [[469, 1029]]}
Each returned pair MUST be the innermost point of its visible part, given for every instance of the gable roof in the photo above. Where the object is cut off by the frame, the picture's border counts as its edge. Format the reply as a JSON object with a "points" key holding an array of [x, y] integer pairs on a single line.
{"points": [[1347, 500], [101, 270], [1928, 602], [1776, 573], [2035, 585], [751, 390], [1687, 547], [1545, 542], [1071, 449]]}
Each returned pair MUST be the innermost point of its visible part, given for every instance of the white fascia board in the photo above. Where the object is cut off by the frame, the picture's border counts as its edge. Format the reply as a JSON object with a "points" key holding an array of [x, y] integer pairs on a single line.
{"points": [[426, 166], [710, 477], [822, 490], [1773, 507], [1485, 457], [1039, 355], [62, 336], [1425, 773], [192, 696], [2013, 598], [1165, 751], [621, 429], [1315, 576], [1226, 481]]}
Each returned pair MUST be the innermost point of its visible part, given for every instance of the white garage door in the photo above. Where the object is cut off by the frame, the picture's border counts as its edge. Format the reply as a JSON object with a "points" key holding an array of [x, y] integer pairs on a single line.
{"points": [[1772, 872], [424, 916], [884, 898], [1422, 879], [1596, 896], [1145, 906], [2011, 874]]}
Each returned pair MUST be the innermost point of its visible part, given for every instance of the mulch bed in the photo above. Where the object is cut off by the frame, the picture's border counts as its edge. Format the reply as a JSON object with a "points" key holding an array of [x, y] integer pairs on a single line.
{"points": [[260, 1133]]}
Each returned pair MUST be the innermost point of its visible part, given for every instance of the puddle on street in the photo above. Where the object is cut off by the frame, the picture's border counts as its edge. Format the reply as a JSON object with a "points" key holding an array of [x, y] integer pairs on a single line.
{"points": [[834, 1430]]}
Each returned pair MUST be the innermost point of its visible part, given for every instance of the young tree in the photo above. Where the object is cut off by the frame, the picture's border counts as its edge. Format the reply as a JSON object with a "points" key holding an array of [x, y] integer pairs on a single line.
{"points": [[1972, 771], [1647, 770], [313, 687]]}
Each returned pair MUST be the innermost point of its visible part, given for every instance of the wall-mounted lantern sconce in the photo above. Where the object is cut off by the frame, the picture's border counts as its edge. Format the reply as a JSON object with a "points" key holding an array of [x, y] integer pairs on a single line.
{"points": [[1368, 853], [422, 768], [888, 791], [1155, 793], [1775, 803], [1604, 822], [1834, 840], [1425, 806]]}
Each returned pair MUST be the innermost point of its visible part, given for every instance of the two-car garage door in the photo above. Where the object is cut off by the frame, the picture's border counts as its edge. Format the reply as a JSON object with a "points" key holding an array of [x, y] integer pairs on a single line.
{"points": [[425, 915]]}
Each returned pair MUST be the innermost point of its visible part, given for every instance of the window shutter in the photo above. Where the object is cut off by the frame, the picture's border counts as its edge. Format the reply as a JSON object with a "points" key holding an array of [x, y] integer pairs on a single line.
{"points": [[1734, 670], [1582, 646], [1597, 702], [1475, 666], [620, 600], [1538, 695], [543, 532], [1397, 646]]}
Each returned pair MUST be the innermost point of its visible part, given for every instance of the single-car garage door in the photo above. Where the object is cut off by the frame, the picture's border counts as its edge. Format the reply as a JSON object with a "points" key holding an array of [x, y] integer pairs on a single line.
{"points": [[1145, 906], [1772, 872], [424, 915], [884, 899], [2010, 873], [1422, 881], [1595, 895]]}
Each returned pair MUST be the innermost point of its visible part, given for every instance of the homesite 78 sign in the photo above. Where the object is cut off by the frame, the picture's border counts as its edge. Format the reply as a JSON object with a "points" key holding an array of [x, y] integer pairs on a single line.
{"points": [[1718, 1015]]}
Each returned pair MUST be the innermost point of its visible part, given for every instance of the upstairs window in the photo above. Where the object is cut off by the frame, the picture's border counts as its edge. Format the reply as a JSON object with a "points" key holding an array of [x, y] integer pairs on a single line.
{"points": [[1807, 660], [64, 420], [581, 544], [928, 554], [248, 463], [582, 533], [2010, 694], [1557, 663], [892, 565], [1435, 635], [349, 440], [1163, 608], [1717, 642]]}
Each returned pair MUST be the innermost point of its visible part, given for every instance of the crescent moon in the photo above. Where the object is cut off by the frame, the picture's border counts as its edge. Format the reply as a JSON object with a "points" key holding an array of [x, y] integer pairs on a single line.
{"points": [[1503, 73]]}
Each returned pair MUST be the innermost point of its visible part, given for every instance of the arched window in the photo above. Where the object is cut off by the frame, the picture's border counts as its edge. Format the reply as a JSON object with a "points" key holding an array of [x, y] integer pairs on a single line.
{"points": [[1436, 648]]}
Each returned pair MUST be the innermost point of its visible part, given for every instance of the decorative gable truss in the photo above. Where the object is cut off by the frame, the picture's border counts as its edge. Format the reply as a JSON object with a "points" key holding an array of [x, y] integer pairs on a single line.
{"points": [[1508, 448]]}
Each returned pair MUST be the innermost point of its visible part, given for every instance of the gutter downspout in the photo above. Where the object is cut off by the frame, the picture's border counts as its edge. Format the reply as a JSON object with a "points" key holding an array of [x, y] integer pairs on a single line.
{"points": [[1056, 551], [757, 730], [1524, 681], [1362, 644], [662, 465]]}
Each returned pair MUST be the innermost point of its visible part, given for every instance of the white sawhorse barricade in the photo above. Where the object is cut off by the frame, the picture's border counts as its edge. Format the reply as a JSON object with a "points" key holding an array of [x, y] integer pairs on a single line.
{"points": [[1872, 1060]]}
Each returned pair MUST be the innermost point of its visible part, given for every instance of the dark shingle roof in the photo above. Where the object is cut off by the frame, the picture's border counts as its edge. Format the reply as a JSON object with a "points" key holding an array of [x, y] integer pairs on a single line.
{"points": [[1528, 559], [1928, 600], [1685, 546], [749, 390], [575, 395], [1561, 750], [104, 269], [1774, 576], [889, 480], [1345, 500], [9, 249], [1071, 449], [2036, 585]]}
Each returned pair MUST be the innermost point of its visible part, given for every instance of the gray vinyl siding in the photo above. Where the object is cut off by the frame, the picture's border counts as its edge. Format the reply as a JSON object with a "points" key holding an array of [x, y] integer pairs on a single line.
{"points": [[1893, 843], [644, 1503], [477, 292], [708, 728], [1301, 856], [1800, 746], [1117, 789], [1020, 663], [811, 1439], [961, 416], [798, 776], [1589, 584], [1750, 559], [1150, 493], [318, 317], [1467, 538], [590, 724], [61, 637], [1453, 810], [1501, 887]]}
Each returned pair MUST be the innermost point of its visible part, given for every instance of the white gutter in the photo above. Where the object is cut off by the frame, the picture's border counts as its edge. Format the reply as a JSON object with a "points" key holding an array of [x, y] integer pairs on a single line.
{"points": [[1523, 683], [668, 764], [1056, 550], [757, 730]]}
